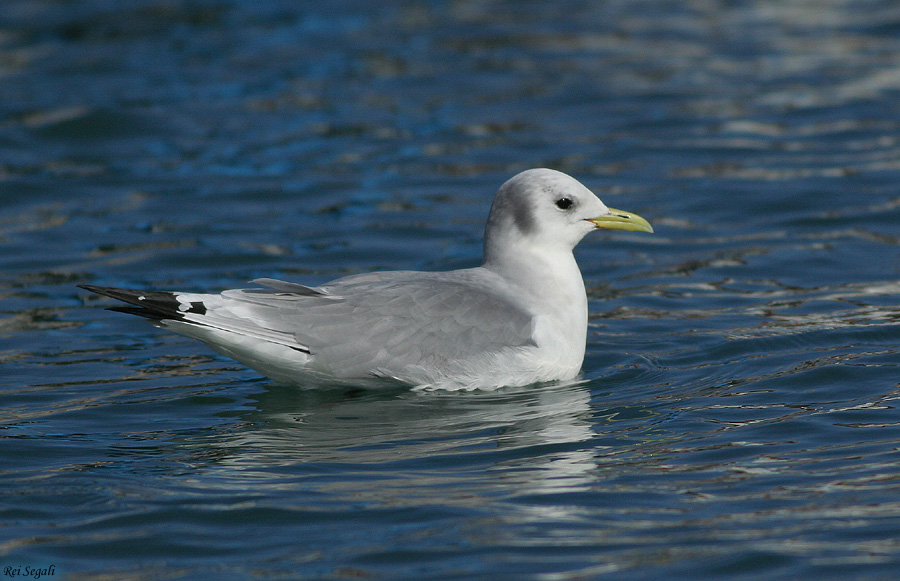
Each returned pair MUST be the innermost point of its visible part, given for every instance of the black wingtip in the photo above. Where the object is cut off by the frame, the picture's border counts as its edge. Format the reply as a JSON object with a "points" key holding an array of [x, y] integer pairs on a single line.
{"points": [[100, 290], [151, 304], [126, 295], [88, 287]]}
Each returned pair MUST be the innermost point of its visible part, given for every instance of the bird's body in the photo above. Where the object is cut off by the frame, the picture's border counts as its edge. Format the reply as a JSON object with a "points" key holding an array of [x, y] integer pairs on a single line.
{"points": [[518, 319]]}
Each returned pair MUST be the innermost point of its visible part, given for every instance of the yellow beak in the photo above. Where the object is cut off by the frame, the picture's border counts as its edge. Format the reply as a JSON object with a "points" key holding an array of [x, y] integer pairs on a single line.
{"points": [[622, 220]]}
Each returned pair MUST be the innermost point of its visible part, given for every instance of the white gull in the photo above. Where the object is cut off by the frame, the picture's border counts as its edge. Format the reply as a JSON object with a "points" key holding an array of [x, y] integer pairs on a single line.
{"points": [[519, 318]]}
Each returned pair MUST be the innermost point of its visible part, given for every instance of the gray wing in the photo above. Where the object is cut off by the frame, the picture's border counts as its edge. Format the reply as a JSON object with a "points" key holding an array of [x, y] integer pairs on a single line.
{"points": [[379, 322]]}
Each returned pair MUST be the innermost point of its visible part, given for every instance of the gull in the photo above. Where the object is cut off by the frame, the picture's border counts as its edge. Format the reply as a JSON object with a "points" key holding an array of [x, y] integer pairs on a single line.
{"points": [[518, 319]]}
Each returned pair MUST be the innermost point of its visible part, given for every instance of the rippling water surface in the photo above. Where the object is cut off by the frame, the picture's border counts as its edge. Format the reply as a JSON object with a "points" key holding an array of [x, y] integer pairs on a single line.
{"points": [[737, 414]]}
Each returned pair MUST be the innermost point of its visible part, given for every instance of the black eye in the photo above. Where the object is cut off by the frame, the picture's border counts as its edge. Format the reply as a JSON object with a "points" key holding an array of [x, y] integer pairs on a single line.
{"points": [[564, 203]]}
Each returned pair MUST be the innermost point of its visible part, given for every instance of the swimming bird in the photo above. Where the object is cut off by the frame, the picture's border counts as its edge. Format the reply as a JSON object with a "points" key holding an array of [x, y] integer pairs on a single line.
{"points": [[519, 318]]}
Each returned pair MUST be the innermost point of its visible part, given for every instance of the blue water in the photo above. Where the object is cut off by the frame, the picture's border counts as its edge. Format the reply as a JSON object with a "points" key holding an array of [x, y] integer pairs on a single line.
{"points": [[737, 415]]}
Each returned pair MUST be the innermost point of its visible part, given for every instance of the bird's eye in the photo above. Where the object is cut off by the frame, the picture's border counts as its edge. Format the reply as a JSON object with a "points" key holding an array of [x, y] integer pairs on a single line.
{"points": [[564, 203]]}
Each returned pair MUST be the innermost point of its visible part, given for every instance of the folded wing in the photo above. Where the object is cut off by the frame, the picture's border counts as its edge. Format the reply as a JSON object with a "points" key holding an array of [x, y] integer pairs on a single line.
{"points": [[383, 322], [375, 324]]}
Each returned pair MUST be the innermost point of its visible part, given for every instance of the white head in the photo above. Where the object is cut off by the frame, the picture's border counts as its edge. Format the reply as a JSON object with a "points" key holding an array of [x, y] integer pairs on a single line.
{"points": [[550, 210]]}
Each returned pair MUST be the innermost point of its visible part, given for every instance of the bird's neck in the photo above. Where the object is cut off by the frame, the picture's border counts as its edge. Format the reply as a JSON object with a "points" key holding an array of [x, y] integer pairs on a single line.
{"points": [[553, 282], [549, 274]]}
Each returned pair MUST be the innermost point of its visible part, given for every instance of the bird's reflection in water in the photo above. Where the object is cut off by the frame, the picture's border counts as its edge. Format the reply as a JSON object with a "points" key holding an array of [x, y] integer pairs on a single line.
{"points": [[390, 447]]}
